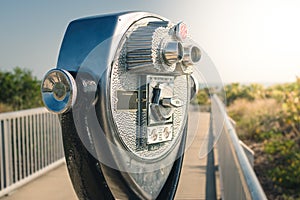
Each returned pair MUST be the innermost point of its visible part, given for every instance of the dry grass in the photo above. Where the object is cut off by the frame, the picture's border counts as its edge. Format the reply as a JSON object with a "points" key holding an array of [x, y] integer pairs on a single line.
{"points": [[260, 123], [5, 108], [255, 117], [243, 107]]}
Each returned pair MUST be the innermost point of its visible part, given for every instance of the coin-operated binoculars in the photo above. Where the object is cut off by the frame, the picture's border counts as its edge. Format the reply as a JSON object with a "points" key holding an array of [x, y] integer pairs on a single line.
{"points": [[121, 88]]}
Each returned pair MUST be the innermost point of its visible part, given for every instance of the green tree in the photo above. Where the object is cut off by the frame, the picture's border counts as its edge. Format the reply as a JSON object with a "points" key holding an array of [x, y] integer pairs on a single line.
{"points": [[19, 89], [203, 96]]}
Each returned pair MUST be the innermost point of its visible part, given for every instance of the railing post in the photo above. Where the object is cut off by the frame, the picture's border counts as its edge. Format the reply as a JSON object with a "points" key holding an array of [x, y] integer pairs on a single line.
{"points": [[26, 149], [7, 146], [27, 137], [2, 164]]}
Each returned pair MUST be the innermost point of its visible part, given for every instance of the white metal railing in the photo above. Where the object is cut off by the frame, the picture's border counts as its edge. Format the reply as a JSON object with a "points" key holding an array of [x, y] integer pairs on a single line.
{"points": [[30, 145], [238, 180]]}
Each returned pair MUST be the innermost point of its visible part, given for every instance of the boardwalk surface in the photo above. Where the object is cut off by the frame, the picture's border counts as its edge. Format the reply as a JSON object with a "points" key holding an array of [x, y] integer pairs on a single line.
{"points": [[194, 180], [54, 185], [193, 177]]}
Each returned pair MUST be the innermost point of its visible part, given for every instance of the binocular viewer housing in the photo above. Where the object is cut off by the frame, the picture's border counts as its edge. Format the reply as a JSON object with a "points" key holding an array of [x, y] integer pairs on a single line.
{"points": [[122, 87]]}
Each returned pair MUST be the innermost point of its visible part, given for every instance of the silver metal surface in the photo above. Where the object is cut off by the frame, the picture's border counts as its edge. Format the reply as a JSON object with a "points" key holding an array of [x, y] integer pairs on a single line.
{"points": [[142, 135], [249, 153], [237, 176], [171, 102], [181, 31], [164, 85], [143, 44], [194, 85], [149, 47], [58, 90], [104, 43], [117, 52], [191, 55], [30, 145], [159, 47], [172, 52], [145, 37], [150, 141]]}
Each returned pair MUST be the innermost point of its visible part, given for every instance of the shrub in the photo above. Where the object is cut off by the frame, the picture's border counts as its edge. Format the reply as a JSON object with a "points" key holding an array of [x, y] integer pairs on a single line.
{"points": [[203, 97], [255, 120], [5, 108], [284, 156], [20, 89], [271, 124], [250, 92]]}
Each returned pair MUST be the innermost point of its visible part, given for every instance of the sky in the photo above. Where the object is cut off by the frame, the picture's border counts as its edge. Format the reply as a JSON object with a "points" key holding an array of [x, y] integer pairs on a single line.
{"points": [[248, 40]]}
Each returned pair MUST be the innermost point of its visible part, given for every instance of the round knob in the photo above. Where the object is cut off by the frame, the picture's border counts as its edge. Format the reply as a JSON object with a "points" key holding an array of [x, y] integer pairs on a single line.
{"points": [[58, 90]]}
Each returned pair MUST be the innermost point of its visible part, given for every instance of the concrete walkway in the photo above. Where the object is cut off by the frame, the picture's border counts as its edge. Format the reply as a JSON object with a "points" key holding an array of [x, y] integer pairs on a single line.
{"points": [[197, 178], [55, 185], [196, 181]]}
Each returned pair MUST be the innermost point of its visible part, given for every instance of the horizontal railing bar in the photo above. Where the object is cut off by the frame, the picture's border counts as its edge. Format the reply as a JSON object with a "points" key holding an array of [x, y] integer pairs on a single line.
{"points": [[16, 114], [250, 184]]}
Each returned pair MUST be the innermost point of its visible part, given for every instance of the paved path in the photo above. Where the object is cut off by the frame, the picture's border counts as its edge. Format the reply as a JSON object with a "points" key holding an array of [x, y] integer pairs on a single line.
{"points": [[196, 181], [55, 185]]}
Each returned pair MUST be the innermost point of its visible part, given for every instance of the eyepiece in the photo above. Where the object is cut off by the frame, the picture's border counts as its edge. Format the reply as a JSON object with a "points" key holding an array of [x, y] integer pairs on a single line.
{"points": [[195, 54], [191, 55], [172, 52], [58, 91]]}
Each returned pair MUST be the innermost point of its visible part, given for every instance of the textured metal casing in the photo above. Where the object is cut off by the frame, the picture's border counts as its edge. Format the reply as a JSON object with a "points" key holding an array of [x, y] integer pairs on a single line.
{"points": [[87, 52]]}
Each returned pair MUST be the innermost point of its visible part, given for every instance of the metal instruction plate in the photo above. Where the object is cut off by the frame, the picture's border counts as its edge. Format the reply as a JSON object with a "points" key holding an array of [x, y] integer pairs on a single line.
{"points": [[157, 134]]}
